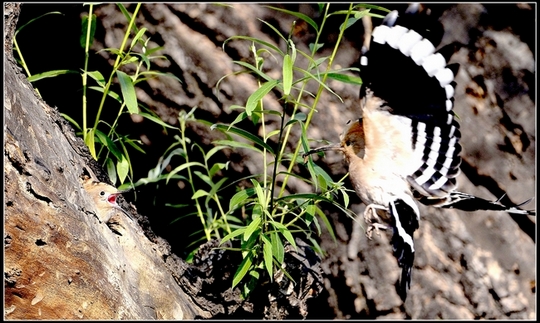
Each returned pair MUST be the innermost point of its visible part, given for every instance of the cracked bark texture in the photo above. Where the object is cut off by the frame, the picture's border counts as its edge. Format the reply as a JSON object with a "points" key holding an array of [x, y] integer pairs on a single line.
{"points": [[468, 265]]}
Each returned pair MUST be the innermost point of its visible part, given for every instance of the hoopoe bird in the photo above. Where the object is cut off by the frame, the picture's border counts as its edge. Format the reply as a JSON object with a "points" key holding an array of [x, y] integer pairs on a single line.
{"points": [[104, 196], [405, 147]]}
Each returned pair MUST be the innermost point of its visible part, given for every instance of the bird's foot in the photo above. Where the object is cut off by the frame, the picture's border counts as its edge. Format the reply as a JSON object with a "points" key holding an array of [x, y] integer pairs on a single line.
{"points": [[372, 218], [374, 227]]}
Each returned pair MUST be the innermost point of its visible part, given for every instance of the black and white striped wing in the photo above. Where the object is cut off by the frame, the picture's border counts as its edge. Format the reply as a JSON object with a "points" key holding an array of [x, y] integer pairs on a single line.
{"points": [[403, 68]]}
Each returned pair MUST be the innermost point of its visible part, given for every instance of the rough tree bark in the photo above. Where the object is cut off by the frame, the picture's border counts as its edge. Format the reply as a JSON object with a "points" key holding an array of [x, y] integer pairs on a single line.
{"points": [[62, 263]]}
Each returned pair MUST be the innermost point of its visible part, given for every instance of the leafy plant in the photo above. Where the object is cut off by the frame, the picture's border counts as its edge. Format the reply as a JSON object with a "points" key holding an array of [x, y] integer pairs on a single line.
{"points": [[275, 216], [105, 143]]}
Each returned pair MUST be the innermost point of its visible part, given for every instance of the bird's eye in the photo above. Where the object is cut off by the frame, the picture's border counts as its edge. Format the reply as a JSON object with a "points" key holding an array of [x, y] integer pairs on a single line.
{"points": [[102, 193]]}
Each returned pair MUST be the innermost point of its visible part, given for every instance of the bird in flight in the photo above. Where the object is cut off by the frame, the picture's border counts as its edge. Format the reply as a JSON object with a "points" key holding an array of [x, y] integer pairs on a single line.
{"points": [[405, 147]]}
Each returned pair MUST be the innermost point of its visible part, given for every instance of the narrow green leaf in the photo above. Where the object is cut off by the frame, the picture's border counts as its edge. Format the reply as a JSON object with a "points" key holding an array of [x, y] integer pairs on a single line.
{"points": [[233, 234], [128, 91], [107, 142], [287, 74], [278, 250], [110, 93], [242, 269], [307, 19], [217, 167], [98, 77], [198, 194], [260, 194], [156, 120], [345, 78], [122, 169], [68, 118], [258, 95], [40, 76], [244, 134], [257, 41], [254, 225], [90, 143], [237, 144], [111, 170], [182, 167], [215, 188], [137, 37], [254, 70], [240, 197], [326, 223], [267, 256], [84, 31], [310, 213], [285, 232]]}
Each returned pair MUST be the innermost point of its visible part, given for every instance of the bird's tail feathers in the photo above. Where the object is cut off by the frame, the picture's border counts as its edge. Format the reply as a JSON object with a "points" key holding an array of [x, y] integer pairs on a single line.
{"points": [[404, 223], [467, 202]]}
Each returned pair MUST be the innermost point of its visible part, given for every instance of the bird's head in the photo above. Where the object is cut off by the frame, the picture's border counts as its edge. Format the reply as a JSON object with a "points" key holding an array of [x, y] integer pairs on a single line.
{"points": [[104, 195], [351, 144]]}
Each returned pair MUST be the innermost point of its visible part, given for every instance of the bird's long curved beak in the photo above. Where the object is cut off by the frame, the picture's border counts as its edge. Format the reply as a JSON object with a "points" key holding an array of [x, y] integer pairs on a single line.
{"points": [[336, 146]]}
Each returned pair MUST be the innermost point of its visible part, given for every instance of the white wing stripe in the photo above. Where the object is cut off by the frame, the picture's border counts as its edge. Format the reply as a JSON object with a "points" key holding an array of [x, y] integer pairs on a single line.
{"points": [[395, 35], [407, 42]]}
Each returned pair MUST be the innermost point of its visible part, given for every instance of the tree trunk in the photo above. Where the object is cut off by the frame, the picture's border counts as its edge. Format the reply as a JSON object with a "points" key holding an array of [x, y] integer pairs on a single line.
{"points": [[61, 262]]}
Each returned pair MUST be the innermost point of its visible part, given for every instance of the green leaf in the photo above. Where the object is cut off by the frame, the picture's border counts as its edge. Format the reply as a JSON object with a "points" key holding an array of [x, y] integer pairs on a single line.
{"points": [[98, 77], [111, 170], [122, 168], [107, 142], [345, 78], [348, 23], [156, 120], [311, 209], [233, 234], [84, 31], [128, 91], [254, 225], [278, 250], [326, 223], [287, 74], [90, 143], [240, 197], [260, 194], [31, 21], [258, 95], [68, 118], [110, 93], [284, 231], [244, 134], [254, 70], [257, 41], [198, 194], [44, 75], [307, 19], [243, 269], [137, 37], [237, 144], [267, 256], [182, 167], [315, 47], [215, 188]]}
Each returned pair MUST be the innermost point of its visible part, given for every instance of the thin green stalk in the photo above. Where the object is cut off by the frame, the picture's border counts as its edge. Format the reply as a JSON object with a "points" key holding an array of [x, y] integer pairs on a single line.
{"points": [[190, 176], [116, 65], [325, 16], [85, 74], [278, 160], [318, 96]]}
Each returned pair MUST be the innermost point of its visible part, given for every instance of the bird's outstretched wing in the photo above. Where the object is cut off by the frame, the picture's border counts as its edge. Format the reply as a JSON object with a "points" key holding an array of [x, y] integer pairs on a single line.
{"points": [[416, 85], [408, 124]]}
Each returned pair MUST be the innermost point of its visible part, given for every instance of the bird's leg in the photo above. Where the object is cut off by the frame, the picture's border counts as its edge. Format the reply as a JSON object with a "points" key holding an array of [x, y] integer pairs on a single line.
{"points": [[370, 214]]}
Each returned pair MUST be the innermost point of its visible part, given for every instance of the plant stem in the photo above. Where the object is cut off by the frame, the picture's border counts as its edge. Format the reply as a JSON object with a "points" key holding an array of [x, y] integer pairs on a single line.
{"points": [[85, 70]]}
